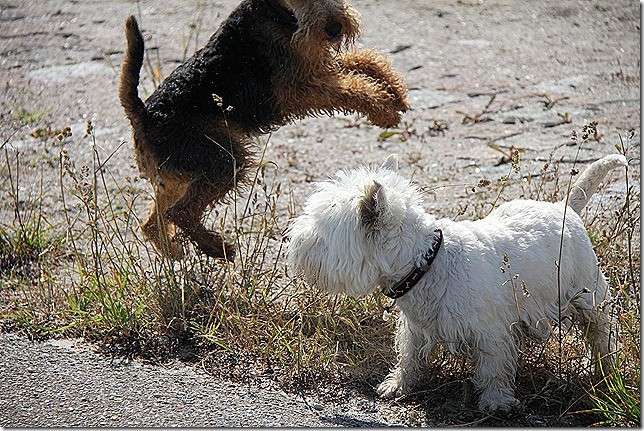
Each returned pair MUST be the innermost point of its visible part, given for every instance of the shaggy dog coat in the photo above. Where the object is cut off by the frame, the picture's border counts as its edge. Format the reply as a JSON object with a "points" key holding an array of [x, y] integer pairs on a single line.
{"points": [[492, 280]]}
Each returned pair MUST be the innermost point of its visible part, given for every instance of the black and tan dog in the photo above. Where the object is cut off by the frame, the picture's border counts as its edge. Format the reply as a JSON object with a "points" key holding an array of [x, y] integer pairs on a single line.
{"points": [[270, 62]]}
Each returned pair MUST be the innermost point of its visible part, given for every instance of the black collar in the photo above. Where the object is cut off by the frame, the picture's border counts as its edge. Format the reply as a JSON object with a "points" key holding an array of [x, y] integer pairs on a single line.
{"points": [[414, 276]]}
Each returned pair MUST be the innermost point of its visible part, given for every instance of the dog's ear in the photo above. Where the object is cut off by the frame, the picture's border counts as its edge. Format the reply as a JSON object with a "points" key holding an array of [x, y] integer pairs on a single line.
{"points": [[391, 163], [372, 206]]}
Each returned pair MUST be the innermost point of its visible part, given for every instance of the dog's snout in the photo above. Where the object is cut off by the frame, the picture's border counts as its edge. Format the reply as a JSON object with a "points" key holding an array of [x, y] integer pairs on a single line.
{"points": [[333, 29]]}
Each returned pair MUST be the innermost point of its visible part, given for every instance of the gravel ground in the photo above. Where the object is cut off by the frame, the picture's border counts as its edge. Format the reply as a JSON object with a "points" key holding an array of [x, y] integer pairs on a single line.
{"points": [[62, 383]]}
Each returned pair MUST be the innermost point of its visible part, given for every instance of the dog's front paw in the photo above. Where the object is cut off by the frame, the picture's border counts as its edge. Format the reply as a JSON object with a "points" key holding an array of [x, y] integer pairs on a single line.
{"points": [[219, 250], [503, 404], [398, 91], [393, 106], [386, 119], [391, 388]]}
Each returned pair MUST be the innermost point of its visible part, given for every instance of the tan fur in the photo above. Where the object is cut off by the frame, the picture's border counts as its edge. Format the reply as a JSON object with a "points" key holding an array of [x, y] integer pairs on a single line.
{"points": [[313, 72]]}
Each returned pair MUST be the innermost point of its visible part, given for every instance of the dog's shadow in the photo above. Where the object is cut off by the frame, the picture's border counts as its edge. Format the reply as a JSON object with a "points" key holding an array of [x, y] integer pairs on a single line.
{"points": [[445, 395]]}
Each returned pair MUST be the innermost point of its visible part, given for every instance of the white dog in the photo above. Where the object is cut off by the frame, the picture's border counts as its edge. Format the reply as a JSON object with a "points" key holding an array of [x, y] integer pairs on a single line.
{"points": [[472, 285]]}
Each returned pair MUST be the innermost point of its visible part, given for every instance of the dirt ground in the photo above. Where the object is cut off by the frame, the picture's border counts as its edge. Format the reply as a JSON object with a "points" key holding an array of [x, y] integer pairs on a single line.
{"points": [[61, 60], [484, 76]]}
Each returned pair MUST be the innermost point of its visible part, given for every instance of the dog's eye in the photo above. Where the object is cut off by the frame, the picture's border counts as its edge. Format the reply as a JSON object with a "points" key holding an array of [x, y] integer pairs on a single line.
{"points": [[333, 29]]}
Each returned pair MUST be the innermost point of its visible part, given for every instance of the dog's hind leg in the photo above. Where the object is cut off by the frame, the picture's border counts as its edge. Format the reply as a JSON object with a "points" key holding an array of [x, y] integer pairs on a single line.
{"points": [[157, 228], [594, 316], [187, 213], [409, 342]]}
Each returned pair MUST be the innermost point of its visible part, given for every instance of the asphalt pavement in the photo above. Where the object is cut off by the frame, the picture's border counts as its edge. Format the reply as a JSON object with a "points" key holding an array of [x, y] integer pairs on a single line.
{"points": [[65, 383]]}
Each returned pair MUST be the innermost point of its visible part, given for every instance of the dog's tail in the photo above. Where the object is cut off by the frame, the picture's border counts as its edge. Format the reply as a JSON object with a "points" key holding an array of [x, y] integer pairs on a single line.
{"points": [[588, 182], [130, 74]]}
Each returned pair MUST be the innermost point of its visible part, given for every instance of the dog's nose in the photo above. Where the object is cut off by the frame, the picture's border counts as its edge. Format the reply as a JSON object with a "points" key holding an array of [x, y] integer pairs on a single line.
{"points": [[333, 30]]}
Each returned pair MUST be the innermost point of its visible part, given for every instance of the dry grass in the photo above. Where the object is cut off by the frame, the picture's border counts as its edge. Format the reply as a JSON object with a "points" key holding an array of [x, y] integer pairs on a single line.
{"points": [[97, 278], [92, 275]]}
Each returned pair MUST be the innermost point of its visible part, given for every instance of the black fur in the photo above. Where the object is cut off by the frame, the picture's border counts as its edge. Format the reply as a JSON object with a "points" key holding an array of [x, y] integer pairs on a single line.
{"points": [[235, 67]]}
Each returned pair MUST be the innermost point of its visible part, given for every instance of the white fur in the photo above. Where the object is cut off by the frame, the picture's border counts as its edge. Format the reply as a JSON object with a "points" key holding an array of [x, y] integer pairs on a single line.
{"points": [[368, 228]]}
